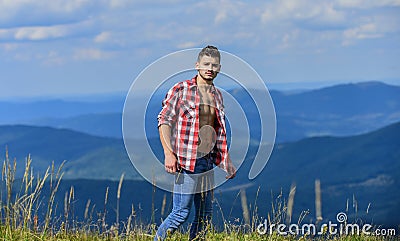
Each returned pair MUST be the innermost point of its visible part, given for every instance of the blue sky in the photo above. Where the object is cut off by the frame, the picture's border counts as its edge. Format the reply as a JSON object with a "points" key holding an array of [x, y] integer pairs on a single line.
{"points": [[74, 47]]}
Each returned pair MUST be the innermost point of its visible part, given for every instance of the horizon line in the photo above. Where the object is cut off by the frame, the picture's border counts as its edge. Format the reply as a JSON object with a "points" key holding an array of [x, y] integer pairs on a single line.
{"points": [[289, 86]]}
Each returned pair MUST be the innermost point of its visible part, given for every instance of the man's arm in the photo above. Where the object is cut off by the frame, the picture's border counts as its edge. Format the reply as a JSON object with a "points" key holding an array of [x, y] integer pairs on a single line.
{"points": [[170, 161], [230, 168], [166, 118]]}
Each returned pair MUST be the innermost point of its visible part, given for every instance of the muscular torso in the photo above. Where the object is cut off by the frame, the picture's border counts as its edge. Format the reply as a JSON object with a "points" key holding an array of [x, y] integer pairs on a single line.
{"points": [[206, 120]]}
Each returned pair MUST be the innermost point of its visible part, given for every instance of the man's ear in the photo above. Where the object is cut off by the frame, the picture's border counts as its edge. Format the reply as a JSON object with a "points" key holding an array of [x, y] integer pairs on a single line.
{"points": [[197, 65]]}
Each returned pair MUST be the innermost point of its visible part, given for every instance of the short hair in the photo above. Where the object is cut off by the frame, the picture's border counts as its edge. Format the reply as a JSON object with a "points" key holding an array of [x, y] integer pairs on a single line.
{"points": [[210, 51]]}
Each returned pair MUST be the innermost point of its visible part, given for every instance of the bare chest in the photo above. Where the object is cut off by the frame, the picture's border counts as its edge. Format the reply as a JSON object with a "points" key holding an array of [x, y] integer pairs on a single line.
{"points": [[207, 108]]}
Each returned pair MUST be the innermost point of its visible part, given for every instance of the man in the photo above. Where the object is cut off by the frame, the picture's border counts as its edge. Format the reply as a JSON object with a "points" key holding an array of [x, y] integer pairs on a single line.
{"points": [[193, 135]]}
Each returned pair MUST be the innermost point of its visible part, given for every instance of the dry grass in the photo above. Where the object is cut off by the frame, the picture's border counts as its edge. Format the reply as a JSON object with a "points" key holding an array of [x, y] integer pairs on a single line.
{"points": [[20, 204]]}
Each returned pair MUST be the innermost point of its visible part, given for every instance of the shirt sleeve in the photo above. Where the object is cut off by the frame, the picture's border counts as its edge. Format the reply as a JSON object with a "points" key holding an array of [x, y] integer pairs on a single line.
{"points": [[167, 114]]}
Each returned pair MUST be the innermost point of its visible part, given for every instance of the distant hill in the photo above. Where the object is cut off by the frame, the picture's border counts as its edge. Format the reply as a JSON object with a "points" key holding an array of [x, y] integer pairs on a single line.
{"points": [[340, 110], [357, 171], [342, 100], [87, 156], [346, 109], [19, 112], [99, 124]]}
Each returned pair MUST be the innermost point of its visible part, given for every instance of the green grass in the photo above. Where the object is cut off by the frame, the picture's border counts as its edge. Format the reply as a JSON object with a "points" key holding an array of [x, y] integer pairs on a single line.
{"points": [[139, 235], [20, 204]]}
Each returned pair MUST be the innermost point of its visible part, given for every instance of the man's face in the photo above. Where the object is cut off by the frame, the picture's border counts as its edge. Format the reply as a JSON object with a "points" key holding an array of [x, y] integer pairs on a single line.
{"points": [[208, 67]]}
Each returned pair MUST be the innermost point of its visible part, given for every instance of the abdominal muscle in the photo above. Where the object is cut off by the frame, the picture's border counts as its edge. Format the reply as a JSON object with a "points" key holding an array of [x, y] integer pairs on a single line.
{"points": [[207, 135]]}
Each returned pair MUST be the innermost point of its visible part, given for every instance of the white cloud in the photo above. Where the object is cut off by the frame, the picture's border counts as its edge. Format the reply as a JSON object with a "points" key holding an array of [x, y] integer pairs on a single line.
{"points": [[273, 35], [6, 34], [367, 3], [101, 27], [187, 45], [373, 27], [53, 58], [9, 46], [120, 3], [26, 13], [229, 11], [111, 39], [288, 39], [325, 24], [365, 31], [37, 33], [91, 54], [304, 13], [103, 37]]}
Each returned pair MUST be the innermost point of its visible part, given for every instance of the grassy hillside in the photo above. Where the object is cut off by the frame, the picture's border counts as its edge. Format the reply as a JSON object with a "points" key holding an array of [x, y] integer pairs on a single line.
{"points": [[87, 156], [31, 209], [358, 174]]}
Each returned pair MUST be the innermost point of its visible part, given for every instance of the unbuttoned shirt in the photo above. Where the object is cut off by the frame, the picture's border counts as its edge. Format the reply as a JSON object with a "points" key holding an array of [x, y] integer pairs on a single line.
{"points": [[180, 110]]}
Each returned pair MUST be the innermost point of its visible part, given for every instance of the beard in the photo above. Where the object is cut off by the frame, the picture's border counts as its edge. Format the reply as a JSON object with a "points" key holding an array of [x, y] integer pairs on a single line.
{"points": [[206, 76]]}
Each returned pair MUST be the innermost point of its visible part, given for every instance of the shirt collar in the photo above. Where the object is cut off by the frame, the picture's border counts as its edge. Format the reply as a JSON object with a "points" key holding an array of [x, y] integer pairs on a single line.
{"points": [[193, 84]]}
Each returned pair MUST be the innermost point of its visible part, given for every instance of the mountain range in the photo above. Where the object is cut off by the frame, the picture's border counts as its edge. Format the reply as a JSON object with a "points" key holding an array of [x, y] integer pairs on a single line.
{"points": [[86, 156], [339, 110], [347, 136], [364, 167]]}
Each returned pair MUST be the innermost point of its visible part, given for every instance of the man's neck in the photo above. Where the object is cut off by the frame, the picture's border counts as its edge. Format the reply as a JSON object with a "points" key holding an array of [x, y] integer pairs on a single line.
{"points": [[203, 82]]}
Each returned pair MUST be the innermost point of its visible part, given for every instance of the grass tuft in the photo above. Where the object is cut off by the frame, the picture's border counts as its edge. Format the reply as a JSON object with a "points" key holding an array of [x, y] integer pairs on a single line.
{"points": [[21, 202]]}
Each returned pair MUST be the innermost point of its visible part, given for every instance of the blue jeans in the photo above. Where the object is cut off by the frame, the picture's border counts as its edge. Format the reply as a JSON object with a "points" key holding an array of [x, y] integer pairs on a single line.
{"points": [[189, 188]]}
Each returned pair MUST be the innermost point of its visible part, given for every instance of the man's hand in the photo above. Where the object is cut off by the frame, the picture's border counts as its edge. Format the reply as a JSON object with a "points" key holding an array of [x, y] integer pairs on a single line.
{"points": [[170, 163], [231, 169], [231, 172]]}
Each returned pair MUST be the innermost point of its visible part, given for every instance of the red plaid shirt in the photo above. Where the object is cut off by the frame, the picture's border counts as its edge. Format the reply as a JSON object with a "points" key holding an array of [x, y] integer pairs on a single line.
{"points": [[180, 110]]}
